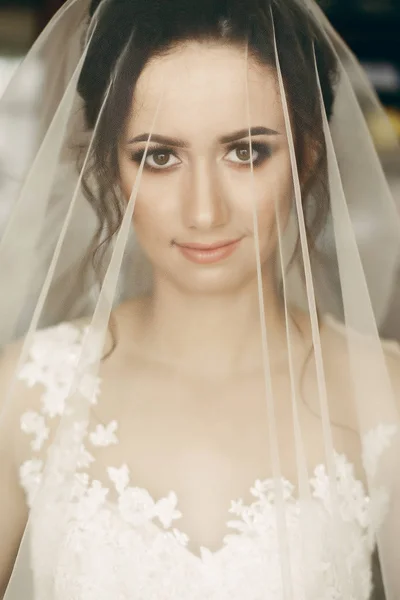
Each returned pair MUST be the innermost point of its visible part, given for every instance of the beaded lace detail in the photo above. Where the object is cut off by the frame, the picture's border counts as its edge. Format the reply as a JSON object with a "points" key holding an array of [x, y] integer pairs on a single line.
{"points": [[87, 547]]}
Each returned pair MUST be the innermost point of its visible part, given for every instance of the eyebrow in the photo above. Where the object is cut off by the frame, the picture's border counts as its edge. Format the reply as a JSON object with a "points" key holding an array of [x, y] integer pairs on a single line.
{"points": [[243, 133], [225, 139]]}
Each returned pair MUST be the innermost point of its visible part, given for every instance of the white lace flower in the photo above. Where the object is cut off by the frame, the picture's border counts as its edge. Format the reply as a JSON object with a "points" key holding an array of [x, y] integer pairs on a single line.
{"points": [[89, 387], [31, 468], [375, 442], [207, 557], [236, 507], [136, 506], [64, 334], [53, 402], [248, 516], [52, 356], [119, 477], [55, 347], [262, 489], [180, 537], [344, 469], [104, 435], [267, 489], [350, 492], [33, 423], [321, 486], [90, 503], [30, 374], [97, 492], [166, 510]]}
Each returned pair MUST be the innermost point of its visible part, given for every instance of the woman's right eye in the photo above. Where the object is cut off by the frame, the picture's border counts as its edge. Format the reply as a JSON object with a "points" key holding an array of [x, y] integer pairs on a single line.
{"points": [[157, 160]]}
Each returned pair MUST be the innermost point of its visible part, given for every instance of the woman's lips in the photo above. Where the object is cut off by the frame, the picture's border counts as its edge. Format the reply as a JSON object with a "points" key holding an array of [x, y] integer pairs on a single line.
{"points": [[206, 254]]}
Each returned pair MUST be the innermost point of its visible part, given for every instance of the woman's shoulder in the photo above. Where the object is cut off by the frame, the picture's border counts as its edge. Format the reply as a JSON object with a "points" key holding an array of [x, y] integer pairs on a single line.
{"points": [[340, 337], [50, 353], [375, 360], [36, 374], [39, 361], [41, 347]]}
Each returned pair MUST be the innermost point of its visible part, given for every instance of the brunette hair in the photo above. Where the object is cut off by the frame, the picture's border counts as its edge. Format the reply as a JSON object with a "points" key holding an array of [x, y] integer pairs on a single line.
{"points": [[128, 33]]}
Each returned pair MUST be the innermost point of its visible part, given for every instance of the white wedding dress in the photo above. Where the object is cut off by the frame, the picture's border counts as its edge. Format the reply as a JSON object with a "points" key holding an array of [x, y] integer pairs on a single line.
{"points": [[119, 543]]}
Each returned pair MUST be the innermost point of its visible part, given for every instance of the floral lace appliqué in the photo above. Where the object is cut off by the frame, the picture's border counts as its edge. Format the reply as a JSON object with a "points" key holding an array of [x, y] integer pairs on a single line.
{"points": [[131, 547], [374, 445]]}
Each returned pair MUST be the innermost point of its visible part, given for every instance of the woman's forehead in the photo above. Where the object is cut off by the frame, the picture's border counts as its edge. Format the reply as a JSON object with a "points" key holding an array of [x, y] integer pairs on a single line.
{"points": [[208, 87]]}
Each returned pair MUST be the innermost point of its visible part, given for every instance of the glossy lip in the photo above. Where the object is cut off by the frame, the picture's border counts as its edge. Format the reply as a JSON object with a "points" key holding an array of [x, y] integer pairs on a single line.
{"points": [[208, 253]]}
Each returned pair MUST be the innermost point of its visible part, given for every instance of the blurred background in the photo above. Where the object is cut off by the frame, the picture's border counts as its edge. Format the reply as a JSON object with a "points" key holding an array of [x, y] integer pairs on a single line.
{"points": [[370, 27]]}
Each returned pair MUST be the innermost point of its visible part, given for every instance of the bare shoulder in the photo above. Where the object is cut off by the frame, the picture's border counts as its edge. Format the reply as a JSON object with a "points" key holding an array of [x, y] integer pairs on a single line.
{"points": [[348, 352], [338, 337]]}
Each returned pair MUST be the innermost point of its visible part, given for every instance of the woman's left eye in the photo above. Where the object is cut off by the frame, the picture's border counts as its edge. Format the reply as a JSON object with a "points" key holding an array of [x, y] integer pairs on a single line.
{"points": [[244, 155]]}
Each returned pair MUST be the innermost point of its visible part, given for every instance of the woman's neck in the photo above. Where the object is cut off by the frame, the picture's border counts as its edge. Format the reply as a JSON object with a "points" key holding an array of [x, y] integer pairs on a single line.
{"points": [[218, 334]]}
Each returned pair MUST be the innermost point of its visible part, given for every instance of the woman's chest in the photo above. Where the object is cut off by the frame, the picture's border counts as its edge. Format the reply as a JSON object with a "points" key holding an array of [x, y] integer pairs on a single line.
{"points": [[214, 429], [207, 444], [164, 470]]}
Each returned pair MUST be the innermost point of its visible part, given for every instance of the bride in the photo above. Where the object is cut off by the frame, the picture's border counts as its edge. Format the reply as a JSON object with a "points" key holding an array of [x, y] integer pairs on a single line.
{"points": [[201, 406]]}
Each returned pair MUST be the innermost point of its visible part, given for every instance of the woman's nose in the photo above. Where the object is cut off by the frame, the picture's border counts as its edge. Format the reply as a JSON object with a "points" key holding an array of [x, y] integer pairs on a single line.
{"points": [[205, 205]]}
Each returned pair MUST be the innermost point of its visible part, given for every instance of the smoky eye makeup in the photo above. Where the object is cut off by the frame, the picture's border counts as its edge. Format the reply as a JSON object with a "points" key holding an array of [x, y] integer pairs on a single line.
{"points": [[239, 154], [243, 154], [158, 158]]}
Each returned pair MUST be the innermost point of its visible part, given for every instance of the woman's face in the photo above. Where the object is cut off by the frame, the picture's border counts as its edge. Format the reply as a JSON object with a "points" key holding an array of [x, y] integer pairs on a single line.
{"points": [[194, 213]]}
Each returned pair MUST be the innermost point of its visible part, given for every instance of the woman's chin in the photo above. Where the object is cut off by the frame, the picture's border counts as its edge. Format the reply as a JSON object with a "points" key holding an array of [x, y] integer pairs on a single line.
{"points": [[217, 280]]}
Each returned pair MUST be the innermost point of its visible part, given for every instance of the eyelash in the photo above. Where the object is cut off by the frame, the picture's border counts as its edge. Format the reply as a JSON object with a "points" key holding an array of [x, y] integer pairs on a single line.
{"points": [[263, 150]]}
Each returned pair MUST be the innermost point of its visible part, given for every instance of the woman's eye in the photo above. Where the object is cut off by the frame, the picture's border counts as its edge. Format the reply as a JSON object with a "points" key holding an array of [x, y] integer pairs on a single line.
{"points": [[244, 155], [156, 159], [161, 159]]}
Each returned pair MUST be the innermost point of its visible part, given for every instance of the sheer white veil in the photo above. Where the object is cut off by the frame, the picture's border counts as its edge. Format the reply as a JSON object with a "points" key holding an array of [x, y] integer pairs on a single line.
{"points": [[57, 265]]}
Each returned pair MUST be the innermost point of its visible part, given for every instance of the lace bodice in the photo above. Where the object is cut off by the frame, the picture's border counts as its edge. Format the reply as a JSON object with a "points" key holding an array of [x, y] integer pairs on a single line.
{"points": [[118, 542]]}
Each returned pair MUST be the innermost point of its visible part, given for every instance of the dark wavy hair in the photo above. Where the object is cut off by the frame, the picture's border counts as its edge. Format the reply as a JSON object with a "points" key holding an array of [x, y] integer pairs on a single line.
{"points": [[128, 33]]}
